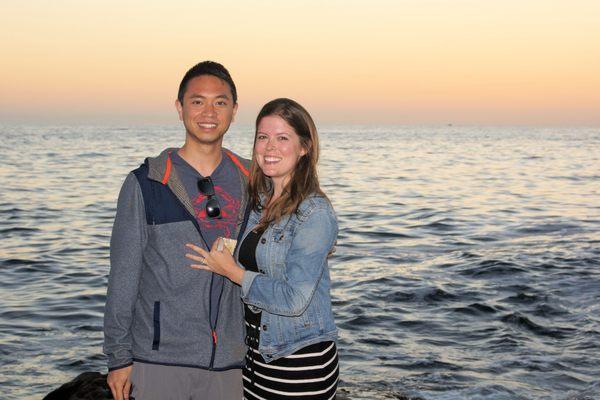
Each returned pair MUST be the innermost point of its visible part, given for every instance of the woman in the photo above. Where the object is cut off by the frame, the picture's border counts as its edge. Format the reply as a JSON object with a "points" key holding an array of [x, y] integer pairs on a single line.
{"points": [[285, 278]]}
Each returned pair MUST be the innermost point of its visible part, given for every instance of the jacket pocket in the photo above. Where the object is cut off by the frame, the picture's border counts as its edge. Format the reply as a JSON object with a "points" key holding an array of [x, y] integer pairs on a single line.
{"points": [[156, 319], [165, 255]]}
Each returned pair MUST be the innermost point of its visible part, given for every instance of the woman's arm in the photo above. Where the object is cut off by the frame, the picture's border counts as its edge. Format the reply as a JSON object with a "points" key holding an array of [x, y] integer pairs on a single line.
{"points": [[305, 262]]}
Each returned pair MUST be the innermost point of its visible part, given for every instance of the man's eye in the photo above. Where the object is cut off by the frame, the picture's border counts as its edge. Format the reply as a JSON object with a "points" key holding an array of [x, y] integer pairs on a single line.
{"points": [[196, 102], [221, 103]]}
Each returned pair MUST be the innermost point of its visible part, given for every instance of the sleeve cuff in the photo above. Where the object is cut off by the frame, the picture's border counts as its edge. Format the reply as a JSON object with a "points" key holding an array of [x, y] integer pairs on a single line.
{"points": [[120, 359], [247, 280], [120, 366]]}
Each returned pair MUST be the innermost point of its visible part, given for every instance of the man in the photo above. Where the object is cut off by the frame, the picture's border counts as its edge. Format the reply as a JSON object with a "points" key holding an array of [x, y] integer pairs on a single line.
{"points": [[172, 332]]}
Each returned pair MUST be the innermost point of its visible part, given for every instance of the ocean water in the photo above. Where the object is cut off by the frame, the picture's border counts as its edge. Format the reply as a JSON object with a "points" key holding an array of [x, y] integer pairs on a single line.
{"points": [[467, 265]]}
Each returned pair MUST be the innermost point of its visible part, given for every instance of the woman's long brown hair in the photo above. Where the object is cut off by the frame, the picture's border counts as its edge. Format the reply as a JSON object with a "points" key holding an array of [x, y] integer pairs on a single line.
{"points": [[304, 180]]}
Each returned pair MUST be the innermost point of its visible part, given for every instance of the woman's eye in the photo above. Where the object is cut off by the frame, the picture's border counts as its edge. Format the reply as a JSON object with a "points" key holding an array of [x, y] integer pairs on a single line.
{"points": [[283, 138], [261, 137]]}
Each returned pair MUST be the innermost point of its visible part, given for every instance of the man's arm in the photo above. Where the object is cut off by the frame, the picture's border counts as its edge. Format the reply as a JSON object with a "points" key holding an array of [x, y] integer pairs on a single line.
{"points": [[126, 247]]}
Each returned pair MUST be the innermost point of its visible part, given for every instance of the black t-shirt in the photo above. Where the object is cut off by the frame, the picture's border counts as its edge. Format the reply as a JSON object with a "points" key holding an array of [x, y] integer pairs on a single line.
{"points": [[247, 258]]}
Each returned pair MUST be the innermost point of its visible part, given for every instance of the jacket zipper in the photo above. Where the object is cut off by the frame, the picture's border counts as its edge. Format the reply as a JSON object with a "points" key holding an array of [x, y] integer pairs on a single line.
{"points": [[213, 332], [213, 329]]}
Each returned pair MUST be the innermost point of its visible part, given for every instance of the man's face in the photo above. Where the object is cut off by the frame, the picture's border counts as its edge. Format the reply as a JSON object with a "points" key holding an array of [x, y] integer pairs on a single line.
{"points": [[207, 109]]}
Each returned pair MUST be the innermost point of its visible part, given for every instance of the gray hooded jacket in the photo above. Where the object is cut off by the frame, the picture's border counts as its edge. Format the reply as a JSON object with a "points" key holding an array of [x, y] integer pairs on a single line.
{"points": [[158, 310]]}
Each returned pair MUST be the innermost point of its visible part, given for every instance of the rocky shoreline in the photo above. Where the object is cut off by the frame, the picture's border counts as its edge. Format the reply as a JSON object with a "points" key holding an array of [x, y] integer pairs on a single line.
{"points": [[86, 386], [93, 386]]}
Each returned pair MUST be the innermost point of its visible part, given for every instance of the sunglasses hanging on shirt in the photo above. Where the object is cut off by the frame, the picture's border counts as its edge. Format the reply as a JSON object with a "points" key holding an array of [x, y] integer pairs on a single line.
{"points": [[206, 187]]}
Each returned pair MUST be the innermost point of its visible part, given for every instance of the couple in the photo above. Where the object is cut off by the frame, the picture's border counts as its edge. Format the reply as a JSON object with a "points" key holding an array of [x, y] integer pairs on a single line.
{"points": [[205, 242]]}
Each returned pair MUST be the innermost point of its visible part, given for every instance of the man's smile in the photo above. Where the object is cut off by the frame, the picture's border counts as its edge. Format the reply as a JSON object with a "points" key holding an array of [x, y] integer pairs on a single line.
{"points": [[207, 125]]}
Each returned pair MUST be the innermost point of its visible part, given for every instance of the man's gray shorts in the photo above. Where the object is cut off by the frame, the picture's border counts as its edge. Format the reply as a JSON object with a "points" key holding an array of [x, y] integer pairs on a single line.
{"points": [[161, 382]]}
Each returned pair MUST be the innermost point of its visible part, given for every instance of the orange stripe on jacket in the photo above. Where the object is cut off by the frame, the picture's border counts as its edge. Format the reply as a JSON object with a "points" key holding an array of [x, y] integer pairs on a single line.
{"points": [[165, 178], [237, 162]]}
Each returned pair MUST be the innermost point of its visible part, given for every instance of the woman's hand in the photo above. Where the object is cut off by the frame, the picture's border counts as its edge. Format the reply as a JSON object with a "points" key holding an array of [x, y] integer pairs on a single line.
{"points": [[218, 260]]}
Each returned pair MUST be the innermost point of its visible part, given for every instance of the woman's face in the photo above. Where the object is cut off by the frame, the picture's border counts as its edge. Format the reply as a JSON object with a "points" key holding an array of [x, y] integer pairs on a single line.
{"points": [[277, 149]]}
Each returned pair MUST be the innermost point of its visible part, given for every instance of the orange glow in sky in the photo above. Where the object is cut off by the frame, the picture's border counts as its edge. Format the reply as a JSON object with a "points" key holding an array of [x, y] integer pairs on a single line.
{"points": [[367, 62]]}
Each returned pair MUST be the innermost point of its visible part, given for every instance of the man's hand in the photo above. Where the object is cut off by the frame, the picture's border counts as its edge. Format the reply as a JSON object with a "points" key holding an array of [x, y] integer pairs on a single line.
{"points": [[119, 382]]}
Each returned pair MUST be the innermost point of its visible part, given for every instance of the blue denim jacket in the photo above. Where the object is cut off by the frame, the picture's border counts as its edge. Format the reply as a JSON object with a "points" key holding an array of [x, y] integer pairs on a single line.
{"points": [[292, 287]]}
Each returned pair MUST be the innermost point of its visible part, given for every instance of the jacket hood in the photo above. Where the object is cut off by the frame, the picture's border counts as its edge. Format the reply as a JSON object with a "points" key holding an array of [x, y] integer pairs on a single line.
{"points": [[157, 166]]}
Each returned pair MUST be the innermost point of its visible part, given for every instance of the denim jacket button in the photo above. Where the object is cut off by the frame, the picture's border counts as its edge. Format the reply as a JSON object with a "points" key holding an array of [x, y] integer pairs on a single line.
{"points": [[263, 240], [262, 271], [264, 327]]}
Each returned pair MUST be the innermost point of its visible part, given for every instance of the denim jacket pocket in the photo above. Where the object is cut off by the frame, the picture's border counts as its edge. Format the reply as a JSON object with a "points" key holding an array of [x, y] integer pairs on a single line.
{"points": [[278, 235], [302, 327]]}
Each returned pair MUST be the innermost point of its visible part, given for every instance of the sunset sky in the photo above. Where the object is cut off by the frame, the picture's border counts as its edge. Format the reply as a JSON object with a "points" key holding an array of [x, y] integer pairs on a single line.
{"points": [[365, 62]]}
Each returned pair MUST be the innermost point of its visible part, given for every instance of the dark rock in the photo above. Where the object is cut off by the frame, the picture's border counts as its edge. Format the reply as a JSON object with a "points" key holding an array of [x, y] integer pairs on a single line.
{"points": [[87, 386]]}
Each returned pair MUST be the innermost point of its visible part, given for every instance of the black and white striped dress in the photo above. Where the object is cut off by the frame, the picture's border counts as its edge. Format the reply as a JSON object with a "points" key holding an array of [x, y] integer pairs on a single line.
{"points": [[311, 373]]}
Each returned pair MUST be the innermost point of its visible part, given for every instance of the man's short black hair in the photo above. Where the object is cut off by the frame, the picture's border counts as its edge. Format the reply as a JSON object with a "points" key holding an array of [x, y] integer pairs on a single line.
{"points": [[207, 68]]}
